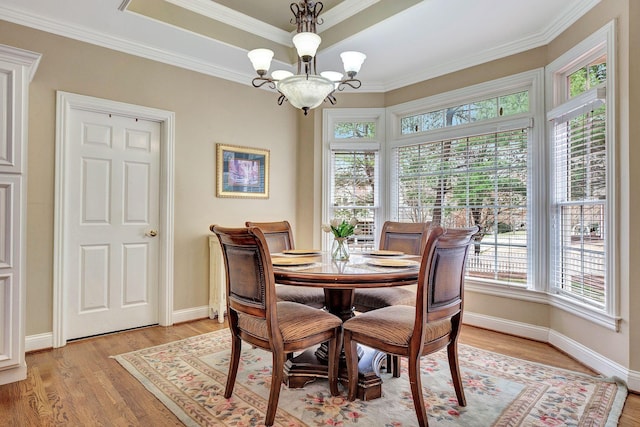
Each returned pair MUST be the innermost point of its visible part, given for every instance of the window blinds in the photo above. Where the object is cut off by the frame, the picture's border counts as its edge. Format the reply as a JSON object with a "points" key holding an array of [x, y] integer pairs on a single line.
{"points": [[480, 180], [580, 182], [354, 191]]}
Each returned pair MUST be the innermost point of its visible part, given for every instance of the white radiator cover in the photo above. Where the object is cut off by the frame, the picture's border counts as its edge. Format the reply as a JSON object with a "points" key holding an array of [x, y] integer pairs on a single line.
{"points": [[217, 281]]}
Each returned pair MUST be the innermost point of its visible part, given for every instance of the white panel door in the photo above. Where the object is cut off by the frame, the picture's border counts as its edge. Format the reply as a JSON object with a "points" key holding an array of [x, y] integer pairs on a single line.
{"points": [[111, 248]]}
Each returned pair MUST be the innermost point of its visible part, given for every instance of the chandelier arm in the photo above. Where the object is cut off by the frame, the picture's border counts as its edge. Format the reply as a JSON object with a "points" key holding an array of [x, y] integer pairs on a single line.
{"points": [[353, 83], [261, 81], [317, 8], [331, 98], [296, 15], [281, 98]]}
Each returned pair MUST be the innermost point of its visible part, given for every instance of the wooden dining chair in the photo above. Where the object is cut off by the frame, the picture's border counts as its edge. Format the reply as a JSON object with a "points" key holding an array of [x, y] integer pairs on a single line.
{"points": [[407, 237], [256, 317], [433, 323], [279, 238]]}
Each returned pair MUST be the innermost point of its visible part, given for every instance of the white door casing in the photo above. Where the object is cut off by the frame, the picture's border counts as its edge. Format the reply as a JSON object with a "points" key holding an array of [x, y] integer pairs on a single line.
{"points": [[113, 251]]}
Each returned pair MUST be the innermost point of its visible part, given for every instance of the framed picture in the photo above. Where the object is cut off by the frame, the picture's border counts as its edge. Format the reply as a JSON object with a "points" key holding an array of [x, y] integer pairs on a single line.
{"points": [[242, 172]]}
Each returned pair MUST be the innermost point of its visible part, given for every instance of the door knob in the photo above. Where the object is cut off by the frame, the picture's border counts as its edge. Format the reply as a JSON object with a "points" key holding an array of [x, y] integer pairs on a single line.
{"points": [[151, 233]]}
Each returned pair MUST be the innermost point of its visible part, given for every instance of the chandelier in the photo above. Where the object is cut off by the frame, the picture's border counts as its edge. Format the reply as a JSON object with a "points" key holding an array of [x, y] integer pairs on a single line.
{"points": [[307, 89]]}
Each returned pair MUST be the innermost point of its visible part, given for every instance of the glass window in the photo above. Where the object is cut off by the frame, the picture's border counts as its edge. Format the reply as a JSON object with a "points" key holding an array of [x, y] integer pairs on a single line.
{"points": [[580, 204], [582, 191], [351, 162], [479, 180], [354, 193], [486, 109]]}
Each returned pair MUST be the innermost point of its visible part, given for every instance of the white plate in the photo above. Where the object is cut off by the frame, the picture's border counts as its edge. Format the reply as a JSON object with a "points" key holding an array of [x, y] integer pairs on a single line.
{"points": [[386, 253], [398, 263], [302, 252], [290, 262]]}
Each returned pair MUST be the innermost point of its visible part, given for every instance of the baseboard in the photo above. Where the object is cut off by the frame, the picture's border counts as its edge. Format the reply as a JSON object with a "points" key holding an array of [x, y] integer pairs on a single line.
{"points": [[595, 361], [581, 353], [45, 340], [189, 314], [525, 330], [38, 342]]}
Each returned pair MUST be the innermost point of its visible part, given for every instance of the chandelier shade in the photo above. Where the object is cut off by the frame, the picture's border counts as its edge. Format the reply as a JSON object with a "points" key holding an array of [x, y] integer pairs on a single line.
{"points": [[306, 44], [307, 89], [305, 92]]}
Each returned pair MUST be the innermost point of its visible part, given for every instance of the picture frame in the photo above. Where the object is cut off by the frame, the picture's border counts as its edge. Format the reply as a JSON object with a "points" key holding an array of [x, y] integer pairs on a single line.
{"points": [[242, 172]]}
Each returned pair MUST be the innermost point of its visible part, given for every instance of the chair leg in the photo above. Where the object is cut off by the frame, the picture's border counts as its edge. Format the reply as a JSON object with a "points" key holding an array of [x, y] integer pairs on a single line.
{"points": [[236, 346], [334, 359], [454, 367], [416, 389], [395, 366], [276, 385], [351, 354]]}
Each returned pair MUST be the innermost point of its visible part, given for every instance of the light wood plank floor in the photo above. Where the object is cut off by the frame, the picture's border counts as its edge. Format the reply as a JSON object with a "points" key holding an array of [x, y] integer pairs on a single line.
{"points": [[79, 385]]}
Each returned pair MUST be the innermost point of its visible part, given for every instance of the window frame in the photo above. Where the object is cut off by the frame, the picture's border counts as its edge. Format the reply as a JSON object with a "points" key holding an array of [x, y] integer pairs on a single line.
{"points": [[599, 43], [531, 81], [329, 143]]}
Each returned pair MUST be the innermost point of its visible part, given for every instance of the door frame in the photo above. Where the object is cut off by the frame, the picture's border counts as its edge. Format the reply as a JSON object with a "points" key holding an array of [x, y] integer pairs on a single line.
{"points": [[65, 102]]}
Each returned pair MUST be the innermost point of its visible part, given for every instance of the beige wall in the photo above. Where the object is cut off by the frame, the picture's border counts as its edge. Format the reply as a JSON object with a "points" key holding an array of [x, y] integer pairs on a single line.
{"points": [[208, 111]]}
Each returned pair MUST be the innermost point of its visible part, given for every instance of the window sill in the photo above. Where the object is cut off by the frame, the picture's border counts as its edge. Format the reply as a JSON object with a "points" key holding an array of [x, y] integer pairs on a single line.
{"points": [[577, 309]]}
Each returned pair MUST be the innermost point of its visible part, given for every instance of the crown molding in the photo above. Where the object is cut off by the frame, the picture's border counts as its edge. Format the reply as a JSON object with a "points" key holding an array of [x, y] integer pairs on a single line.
{"points": [[221, 13], [343, 11], [564, 21], [98, 38]]}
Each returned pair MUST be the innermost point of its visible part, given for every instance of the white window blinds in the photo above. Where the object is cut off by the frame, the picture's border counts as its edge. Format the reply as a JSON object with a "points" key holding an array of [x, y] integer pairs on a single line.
{"points": [[479, 180], [354, 192], [580, 198]]}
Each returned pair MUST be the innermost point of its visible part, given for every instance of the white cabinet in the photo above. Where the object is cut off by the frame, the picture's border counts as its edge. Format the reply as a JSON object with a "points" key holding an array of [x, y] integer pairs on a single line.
{"points": [[17, 68]]}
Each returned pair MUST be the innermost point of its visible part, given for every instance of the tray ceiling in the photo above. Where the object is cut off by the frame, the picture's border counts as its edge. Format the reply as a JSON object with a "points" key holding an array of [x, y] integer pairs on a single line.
{"points": [[405, 41]]}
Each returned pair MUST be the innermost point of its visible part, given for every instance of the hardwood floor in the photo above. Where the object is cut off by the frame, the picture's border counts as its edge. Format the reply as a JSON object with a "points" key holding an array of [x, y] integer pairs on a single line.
{"points": [[79, 385]]}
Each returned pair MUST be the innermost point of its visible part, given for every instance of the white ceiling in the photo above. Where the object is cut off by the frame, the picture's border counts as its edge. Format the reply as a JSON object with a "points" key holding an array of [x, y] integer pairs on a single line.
{"points": [[431, 38]]}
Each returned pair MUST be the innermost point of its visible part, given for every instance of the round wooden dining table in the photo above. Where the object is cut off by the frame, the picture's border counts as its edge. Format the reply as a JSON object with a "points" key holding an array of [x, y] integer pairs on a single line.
{"points": [[339, 279]]}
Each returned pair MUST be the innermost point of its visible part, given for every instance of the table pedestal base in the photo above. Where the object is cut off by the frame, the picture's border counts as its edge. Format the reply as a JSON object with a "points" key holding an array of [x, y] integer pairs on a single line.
{"points": [[308, 366]]}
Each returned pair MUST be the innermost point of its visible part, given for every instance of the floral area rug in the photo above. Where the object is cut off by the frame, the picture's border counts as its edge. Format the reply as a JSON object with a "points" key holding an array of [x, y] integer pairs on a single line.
{"points": [[189, 376]]}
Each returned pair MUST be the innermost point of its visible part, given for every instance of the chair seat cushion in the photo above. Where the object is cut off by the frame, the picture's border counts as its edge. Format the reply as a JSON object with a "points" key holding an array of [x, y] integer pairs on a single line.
{"points": [[313, 297], [394, 325], [296, 321], [372, 299]]}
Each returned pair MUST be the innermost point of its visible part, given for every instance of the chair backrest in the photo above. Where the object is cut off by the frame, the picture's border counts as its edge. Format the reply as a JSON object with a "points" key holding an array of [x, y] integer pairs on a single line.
{"points": [[441, 278], [278, 235], [250, 282], [407, 237]]}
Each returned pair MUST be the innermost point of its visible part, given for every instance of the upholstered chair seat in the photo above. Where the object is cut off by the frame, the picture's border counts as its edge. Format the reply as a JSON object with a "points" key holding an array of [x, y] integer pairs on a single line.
{"points": [[372, 299], [296, 322], [394, 325]]}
